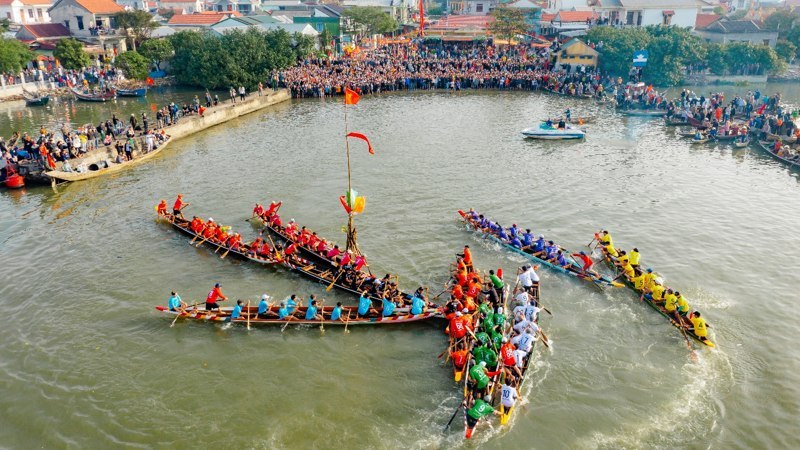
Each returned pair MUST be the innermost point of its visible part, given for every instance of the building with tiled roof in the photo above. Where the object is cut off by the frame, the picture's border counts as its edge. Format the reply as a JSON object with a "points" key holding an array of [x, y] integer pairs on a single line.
{"points": [[198, 20], [704, 20], [682, 13], [25, 11], [471, 7], [188, 6], [86, 18], [724, 31]]}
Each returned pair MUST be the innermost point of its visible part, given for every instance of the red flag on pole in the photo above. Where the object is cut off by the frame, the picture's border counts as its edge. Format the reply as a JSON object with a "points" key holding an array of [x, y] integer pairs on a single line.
{"points": [[351, 97], [363, 138], [149, 81]]}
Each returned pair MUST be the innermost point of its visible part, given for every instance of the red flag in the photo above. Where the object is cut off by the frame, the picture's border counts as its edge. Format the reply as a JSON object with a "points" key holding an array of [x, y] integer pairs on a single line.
{"points": [[762, 108], [351, 97], [150, 81], [344, 204], [363, 138]]}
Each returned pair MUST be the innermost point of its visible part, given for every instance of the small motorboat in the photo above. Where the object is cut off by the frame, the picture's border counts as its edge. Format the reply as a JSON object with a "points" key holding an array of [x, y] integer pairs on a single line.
{"points": [[741, 144], [549, 132], [13, 179], [140, 92]]}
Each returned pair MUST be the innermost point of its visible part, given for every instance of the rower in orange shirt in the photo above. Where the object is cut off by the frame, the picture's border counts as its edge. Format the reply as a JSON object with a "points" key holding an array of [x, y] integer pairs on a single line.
{"points": [[467, 256], [197, 225], [234, 242], [161, 209], [458, 326], [258, 210]]}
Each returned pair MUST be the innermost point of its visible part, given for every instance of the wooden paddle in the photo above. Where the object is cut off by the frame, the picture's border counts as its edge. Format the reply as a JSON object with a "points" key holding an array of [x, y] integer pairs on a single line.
{"points": [[201, 242], [454, 416], [288, 319], [322, 316], [225, 254], [248, 315], [347, 322], [180, 313], [330, 286]]}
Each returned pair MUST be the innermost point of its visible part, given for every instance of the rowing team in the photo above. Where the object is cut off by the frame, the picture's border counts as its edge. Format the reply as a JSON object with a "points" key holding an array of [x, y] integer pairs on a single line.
{"points": [[492, 352], [652, 286], [525, 241], [308, 239]]}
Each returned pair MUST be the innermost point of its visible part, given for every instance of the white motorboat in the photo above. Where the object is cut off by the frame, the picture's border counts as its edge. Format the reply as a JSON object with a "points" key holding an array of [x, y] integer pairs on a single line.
{"points": [[549, 132]]}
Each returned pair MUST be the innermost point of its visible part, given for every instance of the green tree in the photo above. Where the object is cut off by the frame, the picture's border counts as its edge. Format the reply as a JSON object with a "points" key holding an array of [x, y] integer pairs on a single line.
{"points": [[157, 50], [738, 14], [717, 58], [303, 45], [133, 65], [780, 21], [4, 25], [369, 20], [786, 50], [619, 45], [325, 38], [508, 22], [137, 25], [70, 54], [671, 49], [13, 55]]}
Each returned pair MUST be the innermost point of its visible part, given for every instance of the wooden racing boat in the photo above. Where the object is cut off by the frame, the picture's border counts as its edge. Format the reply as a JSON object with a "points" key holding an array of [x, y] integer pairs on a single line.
{"points": [[610, 260], [349, 316], [766, 147], [183, 226], [573, 269], [140, 92]]}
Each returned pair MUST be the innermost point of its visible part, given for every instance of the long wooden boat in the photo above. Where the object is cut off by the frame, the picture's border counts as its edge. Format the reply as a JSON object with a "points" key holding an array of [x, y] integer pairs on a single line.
{"points": [[140, 92], [610, 260], [88, 97], [100, 162], [783, 138], [765, 146], [675, 121], [184, 227], [349, 316], [572, 269], [505, 414]]}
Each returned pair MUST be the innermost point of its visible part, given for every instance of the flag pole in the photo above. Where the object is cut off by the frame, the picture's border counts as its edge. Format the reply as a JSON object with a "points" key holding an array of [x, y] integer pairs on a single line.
{"points": [[351, 231]]}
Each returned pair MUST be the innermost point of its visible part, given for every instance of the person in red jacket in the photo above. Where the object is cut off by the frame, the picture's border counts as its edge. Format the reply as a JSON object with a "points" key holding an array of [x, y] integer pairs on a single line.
{"points": [[178, 206]]}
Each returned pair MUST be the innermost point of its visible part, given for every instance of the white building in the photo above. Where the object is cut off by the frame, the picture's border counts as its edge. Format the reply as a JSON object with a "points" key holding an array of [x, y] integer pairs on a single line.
{"points": [[25, 11], [641, 13], [188, 6], [84, 17], [395, 8]]}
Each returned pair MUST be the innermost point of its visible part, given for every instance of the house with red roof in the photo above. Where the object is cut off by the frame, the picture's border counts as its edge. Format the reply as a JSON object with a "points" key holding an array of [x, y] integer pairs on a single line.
{"points": [[25, 11], [199, 20], [42, 36]]}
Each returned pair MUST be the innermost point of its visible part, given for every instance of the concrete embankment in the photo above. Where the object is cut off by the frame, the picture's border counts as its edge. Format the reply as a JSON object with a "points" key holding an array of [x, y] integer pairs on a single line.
{"points": [[225, 112]]}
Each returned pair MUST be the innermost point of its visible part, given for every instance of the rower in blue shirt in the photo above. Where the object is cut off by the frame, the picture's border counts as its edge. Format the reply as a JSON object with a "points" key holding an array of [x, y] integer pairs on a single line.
{"points": [[550, 250], [365, 305], [264, 307], [291, 303], [388, 307], [482, 222], [417, 305], [283, 312], [337, 312], [175, 303], [527, 238], [515, 242], [237, 310], [560, 259], [311, 311], [538, 246], [513, 231], [501, 233]]}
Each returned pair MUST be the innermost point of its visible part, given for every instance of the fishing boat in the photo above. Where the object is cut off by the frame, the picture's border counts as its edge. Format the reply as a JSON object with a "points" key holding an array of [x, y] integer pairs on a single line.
{"points": [[742, 144], [250, 316], [610, 260], [100, 162], [551, 133], [91, 97], [243, 252], [783, 138], [726, 137], [644, 112], [675, 121], [34, 99], [140, 92], [702, 140], [766, 147], [573, 269]]}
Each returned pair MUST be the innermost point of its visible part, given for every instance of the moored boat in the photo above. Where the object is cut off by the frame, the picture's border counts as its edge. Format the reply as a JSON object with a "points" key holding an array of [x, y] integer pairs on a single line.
{"points": [[685, 329], [13, 179], [742, 144], [101, 162], [92, 97], [35, 99], [702, 140], [140, 92], [644, 112], [572, 269]]}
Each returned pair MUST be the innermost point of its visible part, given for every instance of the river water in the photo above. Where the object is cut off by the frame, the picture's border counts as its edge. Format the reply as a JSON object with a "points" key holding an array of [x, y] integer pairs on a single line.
{"points": [[88, 363]]}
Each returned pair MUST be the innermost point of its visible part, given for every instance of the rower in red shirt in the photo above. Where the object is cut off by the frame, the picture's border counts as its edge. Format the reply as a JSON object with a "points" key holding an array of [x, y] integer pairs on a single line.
{"points": [[258, 210], [290, 249], [458, 327], [361, 261], [458, 292], [291, 228], [197, 225], [587, 262], [507, 355], [178, 206], [273, 208], [234, 242], [213, 296], [333, 253]]}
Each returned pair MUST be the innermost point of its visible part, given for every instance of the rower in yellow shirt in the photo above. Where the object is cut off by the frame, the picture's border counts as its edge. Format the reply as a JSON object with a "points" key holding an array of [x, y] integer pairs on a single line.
{"points": [[683, 307], [605, 238], [638, 281], [649, 279], [656, 292], [699, 325], [609, 248], [623, 258], [627, 269], [633, 257], [670, 302]]}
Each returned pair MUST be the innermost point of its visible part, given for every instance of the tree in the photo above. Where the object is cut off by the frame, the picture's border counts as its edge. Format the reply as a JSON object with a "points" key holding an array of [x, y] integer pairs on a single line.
{"points": [[671, 50], [786, 50], [137, 25], [508, 22], [716, 59], [157, 50], [780, 21], [325, 37], [370, 20], [738, 14], [4, 25], [619, 45], [70, 54], [303, 45], [133, 65], [13, 55]]}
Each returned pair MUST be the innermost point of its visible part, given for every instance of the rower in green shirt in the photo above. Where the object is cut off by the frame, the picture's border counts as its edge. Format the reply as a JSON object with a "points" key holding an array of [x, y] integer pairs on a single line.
{"points": [[479, 410], [480, 376]]}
